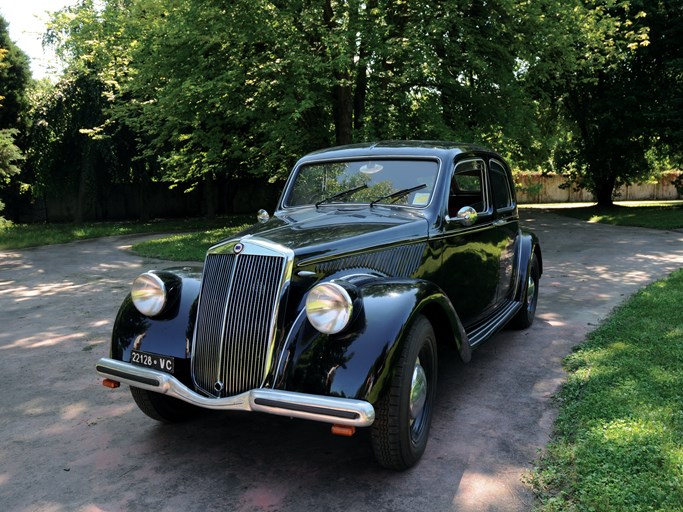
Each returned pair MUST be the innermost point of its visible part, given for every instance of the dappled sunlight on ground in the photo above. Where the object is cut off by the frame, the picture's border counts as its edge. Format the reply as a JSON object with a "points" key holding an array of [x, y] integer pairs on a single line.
{"points": [[23, 293], [43, 340], [481, 491]]}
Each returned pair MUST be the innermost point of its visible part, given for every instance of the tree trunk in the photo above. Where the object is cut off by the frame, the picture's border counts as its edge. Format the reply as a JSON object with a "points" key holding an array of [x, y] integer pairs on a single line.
{"points": [[85, 191], [343, 112], [342, 90], [604, 191], [360, 93], [141, 170], [210, 195]]}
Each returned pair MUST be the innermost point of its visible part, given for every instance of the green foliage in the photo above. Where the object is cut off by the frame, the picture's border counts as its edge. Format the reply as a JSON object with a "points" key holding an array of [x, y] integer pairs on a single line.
{"points": [[678, 183], [68, 150], [617, 440], [190, 91], [608, 78], [10, 156], [222, 88], [15, 78]]}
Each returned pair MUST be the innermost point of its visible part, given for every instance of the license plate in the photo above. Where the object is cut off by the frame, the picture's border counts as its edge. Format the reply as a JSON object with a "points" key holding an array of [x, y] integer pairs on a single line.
{"points": [[163, 363]]}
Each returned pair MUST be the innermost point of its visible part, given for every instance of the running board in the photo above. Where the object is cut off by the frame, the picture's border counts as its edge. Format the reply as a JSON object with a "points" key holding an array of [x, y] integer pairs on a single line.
{"points": [[484, 331]]}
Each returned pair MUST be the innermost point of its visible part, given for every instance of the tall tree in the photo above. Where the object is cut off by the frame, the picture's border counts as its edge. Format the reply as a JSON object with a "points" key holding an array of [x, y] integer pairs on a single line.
{"points": [[15, 78], [588, 76], [67, 155]]}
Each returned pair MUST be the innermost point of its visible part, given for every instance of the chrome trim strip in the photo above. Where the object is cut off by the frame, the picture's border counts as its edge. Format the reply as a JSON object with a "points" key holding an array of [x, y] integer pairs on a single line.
{"points": [[463, 231], [500, 318], [316, 260], [326, 409]]}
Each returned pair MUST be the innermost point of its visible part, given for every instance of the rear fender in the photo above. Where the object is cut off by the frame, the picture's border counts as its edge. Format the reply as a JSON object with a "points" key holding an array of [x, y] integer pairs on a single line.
{"points": [[528, 246], [359, 361]]}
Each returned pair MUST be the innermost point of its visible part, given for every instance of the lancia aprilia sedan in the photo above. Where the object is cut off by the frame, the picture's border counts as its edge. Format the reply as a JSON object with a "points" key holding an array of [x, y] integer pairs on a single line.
{"points": [[334, 309]]}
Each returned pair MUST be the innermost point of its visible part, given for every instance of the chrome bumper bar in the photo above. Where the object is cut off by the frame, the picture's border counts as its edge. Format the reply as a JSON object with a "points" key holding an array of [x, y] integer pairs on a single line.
{"points": [[340, 411]]}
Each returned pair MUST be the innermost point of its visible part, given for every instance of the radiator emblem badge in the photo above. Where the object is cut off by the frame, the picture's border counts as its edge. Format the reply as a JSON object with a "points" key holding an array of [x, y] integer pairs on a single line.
{"points": [[238, 248]]}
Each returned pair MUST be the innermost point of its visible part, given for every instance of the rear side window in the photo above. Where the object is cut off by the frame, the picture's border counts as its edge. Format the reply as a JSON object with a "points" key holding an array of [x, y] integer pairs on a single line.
{"points": [[500, 185]]}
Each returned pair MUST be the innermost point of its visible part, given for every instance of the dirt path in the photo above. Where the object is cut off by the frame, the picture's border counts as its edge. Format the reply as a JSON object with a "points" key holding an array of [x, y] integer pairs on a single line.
{"points": [[71, 445]]}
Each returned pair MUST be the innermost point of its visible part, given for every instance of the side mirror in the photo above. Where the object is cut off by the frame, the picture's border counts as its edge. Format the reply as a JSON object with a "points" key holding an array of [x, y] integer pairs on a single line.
{"points": [[262, 216], [466, 216]]}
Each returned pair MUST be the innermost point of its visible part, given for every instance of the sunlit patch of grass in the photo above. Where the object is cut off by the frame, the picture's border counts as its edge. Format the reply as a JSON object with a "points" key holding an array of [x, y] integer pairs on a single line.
{"points": [[18, 236], [617, 440], [185, 247], [663, 215]]}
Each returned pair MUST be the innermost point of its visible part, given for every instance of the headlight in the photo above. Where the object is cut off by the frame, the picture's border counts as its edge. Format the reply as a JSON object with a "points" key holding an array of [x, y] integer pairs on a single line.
{"points": [[149, 294], [329, 307]]}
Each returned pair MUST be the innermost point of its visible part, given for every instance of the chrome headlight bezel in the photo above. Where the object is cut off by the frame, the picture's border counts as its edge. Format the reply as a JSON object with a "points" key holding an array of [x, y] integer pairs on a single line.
{"points": [[149, 294], [329, 307]]}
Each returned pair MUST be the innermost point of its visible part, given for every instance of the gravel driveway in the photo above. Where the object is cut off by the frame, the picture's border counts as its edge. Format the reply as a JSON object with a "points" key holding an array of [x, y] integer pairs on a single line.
{"points": [[69, 444]]}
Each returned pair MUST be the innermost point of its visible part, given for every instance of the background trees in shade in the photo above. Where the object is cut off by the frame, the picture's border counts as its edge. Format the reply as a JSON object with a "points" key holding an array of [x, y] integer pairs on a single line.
{"points": [[197, 92], [14, 81]]}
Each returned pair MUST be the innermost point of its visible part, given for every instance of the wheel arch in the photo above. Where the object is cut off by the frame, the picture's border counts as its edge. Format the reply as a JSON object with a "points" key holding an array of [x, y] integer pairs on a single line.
{"points": [[529, 247], [359, 362]]}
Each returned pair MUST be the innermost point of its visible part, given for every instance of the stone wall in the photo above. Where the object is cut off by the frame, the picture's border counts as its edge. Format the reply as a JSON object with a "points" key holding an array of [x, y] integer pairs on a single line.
{"points": [[536, 188]]}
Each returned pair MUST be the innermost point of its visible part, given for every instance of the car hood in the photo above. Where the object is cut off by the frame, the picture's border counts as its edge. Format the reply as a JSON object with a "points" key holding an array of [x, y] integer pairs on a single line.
{"points": [[329, 231]]}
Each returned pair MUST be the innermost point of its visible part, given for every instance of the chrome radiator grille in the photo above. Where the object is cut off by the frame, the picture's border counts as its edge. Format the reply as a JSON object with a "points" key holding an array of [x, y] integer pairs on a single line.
{"points": [[235, 322]]}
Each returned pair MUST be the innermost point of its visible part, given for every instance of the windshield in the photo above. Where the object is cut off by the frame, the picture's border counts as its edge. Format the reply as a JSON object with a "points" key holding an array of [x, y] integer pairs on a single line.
{"points": [[364, 182]]}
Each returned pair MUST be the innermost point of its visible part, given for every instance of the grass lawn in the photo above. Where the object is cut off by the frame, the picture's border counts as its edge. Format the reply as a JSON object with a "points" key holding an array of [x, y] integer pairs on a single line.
{"points": [[188, 246], [646, 214], [19, 236], [618, 443]]}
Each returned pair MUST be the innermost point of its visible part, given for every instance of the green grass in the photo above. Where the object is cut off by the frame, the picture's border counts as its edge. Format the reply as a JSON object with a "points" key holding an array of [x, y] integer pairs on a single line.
{"points": [[20, 236], [186, 247], [618, 440], [662, 215]]}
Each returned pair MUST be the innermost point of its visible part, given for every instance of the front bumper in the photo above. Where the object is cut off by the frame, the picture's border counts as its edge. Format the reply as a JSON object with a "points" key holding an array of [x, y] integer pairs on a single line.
{"points": [[327, 409]]}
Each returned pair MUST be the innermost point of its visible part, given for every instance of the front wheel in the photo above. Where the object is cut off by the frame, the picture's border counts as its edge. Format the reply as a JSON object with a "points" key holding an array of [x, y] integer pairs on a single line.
{"points": [[404, 414], [163, 408]]}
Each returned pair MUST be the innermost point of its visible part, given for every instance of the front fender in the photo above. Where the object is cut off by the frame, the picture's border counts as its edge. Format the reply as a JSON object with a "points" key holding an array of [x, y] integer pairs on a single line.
{"points": [[170, 333], [359, 362]]}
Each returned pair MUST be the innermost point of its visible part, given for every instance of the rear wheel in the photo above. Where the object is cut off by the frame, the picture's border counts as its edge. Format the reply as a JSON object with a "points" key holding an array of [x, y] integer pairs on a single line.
{"points": [[163, 408], [525, 316], [403, 416]]}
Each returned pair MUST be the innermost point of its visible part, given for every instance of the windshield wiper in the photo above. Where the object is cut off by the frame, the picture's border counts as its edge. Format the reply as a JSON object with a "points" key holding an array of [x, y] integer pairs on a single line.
{"points": [[398, 194], [341, 194]]}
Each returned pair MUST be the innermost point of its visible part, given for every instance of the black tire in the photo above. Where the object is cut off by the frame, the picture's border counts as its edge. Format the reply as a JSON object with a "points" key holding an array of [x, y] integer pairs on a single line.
{"points": [[525, 316], [163, 408], [398, 440]]}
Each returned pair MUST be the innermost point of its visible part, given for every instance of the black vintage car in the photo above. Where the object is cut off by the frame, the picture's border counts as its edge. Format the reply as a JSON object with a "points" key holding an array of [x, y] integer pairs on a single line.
{"points": [[334, 310]]}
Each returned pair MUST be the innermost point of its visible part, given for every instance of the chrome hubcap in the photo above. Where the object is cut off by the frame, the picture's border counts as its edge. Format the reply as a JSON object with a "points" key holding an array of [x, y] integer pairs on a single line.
{"points": [[418, 392], [530, 293]]}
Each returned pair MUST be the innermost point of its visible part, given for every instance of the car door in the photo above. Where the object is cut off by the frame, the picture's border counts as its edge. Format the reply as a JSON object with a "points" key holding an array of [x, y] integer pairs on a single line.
{"points": [[471, 254], [506, 225]]}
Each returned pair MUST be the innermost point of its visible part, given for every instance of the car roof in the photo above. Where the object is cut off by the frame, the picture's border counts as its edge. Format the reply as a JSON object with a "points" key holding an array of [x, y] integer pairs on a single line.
{"points": [[441, 149]]}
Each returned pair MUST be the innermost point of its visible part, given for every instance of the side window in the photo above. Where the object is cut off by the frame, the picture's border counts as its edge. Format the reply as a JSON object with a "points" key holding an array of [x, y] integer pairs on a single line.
{"points": [[500, 185], [467, 187]]}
